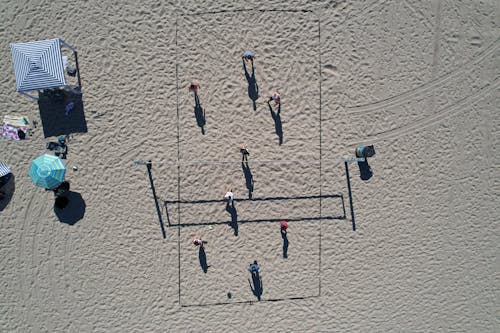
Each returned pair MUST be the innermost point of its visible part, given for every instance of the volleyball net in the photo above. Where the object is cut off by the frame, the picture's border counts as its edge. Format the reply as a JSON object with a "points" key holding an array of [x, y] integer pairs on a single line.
{"points": [[264, 191]]}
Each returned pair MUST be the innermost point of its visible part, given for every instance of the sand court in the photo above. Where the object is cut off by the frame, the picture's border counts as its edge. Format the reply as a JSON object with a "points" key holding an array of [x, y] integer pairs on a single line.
{"points": [[267, 188]]}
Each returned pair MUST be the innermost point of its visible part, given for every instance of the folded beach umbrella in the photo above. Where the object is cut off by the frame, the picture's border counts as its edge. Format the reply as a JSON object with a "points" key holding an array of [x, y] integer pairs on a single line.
{"points": [[4, 170], [47, 171]]}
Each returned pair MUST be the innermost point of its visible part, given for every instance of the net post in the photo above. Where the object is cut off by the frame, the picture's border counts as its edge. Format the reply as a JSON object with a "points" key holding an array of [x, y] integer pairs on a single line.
{"points": [[149, 167], [346, 163]]}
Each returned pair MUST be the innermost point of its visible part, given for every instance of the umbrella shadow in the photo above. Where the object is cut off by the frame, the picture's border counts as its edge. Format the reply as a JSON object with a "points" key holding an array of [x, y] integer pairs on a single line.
{"points": [[285, 244], [203, 259], [7, 190], [248, 178], [70, 207], [231, 209], [278, 127], [199, 114], [253, 88], [257, 287]]}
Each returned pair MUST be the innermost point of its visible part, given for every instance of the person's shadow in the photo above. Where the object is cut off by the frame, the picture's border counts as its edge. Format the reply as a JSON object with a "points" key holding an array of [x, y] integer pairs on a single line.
{"points": [[231, 209], [253, 88], [199, 113], [285, 244], [277, 122], [248, 178], [257, 288], [203, 259]]}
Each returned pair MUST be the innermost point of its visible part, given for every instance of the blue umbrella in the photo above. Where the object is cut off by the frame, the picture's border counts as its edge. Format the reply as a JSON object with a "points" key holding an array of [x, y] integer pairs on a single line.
{"points": [[47, 171]]}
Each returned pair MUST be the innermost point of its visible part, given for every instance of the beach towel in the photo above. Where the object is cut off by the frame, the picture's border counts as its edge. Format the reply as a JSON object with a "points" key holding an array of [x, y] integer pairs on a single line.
{"points": [[11, 132], [16, 121]]}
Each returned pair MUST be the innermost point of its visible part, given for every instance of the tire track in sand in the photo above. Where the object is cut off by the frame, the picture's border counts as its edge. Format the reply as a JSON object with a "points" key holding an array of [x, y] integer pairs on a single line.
{"points": [[31, 229], [471, 65], [440, 115], [54, 273], [21, 264], [36, 262]]}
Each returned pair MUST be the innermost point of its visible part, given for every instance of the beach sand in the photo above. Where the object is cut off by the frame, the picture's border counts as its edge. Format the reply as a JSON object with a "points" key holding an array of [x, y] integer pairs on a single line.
{"points": [[419, 81]]}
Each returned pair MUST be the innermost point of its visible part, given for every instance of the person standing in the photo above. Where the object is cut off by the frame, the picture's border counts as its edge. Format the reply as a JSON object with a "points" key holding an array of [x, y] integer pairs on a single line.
{"points": [[248, 55], [229, 197], [194, 87], [199, 112], [246, 170], [284, 227], [244, 154], [254, 268], [257, 289], [276, 115], [253, 88], [276, 97], [197, 241]]}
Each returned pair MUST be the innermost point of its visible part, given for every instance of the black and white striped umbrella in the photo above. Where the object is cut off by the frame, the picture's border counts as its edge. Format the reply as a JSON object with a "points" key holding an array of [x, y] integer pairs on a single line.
{"points": [[4, 170], [38, 65]]}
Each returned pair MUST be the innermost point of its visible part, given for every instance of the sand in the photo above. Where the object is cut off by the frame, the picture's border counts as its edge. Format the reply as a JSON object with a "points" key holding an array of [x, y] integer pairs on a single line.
{"points": [[417, 80]]}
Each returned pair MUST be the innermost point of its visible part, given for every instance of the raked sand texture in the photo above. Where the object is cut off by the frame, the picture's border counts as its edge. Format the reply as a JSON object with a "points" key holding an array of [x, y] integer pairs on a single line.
{"points": [[419, 80]]}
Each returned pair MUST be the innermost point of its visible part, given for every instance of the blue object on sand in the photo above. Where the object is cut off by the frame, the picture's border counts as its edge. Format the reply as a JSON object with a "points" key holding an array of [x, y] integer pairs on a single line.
{"points": [[253, 268], [69, 107], [365, 151], [47, 171], [249, 55]]}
